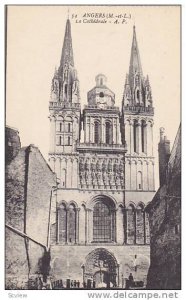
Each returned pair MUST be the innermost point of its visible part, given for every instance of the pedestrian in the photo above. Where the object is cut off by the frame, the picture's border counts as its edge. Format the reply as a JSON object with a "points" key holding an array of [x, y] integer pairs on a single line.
{"points": [[72, 284]]}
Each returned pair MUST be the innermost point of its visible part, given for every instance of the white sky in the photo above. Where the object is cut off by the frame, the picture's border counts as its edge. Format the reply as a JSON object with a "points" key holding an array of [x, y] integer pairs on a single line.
{"points": [[34, 43]]}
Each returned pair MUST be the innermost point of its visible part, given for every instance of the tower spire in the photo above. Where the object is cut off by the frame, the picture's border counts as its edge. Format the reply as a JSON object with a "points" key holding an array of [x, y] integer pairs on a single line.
{"points": [[67, 57], [137, 91], [135, 62], [65, 83]]}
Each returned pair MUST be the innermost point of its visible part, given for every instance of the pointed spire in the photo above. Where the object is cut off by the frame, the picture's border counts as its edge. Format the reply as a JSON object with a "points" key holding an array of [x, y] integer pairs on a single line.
{"points": [[135, 62], [67, 51]]}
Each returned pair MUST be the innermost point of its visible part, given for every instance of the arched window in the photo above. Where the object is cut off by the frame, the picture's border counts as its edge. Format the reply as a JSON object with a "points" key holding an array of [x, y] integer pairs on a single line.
{"points": [[63, 177], [60, 140], [103, 223], [69, 127], [108, 133], [68, 140], [139, 180], [140, 224], [66, 90], [72, 224], [62, 224], [131, 225], [137, 95], [60, 126], [96, 132]]}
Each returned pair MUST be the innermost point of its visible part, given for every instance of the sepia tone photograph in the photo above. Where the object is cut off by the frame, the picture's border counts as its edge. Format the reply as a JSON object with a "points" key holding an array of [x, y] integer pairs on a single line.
{"points": [[93, 147]]}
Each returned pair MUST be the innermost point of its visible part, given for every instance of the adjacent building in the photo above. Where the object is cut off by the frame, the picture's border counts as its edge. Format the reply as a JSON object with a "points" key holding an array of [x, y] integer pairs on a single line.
{"points": [[165, 219], [29, 189]]}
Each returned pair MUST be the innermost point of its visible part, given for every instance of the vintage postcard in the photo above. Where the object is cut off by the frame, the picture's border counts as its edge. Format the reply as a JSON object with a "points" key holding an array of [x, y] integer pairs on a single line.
{"points": [[93, 148]]}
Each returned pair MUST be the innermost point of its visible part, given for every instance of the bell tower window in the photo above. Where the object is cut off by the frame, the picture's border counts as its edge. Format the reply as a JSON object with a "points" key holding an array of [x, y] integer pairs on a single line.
{"points": [[139, 180], [66, 90], [108, 133], [60, 127], [96, 132]]}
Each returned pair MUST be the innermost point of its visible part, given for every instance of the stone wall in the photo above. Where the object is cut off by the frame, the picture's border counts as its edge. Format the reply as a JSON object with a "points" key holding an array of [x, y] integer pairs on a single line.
{"points": [[15, 191], [41, 179], [28, 198], [22, 261]]}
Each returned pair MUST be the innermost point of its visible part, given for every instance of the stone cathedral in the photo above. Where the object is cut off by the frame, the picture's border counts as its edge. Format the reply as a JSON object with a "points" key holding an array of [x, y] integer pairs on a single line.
{"points": [[103, 158]]}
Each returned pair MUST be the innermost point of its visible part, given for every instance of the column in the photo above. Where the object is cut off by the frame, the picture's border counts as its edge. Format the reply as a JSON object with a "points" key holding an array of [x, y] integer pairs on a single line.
{"points": [[67, 226], [118, 275], [63, 135], [153, 179], [57, 226], [117, 131], [58, 166], [126, 223], [135, 226], [147, 175], [86, 225], [128, 136], [144, 227], [120, 227], [145, 138], [115, 227], [92, 136], [82, 224], [89, 130], [90, 225], [132, 136], [77, 226], [152, 138], [85, 129], [52, 134], [138, 137], [113, 132], [102, 131], [149, 141]]}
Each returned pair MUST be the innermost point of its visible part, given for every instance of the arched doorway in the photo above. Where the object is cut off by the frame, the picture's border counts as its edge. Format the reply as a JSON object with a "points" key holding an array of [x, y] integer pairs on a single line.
{"points": [[101, 267]]}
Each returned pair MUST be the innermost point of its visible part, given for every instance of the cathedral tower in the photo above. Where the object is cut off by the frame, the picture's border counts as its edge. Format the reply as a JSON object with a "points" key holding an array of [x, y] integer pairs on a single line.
{"points": [[137, 129], [65, 114]]}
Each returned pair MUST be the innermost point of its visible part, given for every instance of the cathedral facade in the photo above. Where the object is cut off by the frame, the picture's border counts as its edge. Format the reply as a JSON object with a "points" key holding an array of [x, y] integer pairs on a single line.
{"points": [[103, 157]]}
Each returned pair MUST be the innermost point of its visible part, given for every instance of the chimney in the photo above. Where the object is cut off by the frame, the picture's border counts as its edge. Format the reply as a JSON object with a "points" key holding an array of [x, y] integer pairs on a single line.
{"points": [[164, 154]]}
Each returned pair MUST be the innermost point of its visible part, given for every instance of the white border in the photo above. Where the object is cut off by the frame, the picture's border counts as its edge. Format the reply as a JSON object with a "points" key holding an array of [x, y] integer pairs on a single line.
{"points": [[82, 294]]}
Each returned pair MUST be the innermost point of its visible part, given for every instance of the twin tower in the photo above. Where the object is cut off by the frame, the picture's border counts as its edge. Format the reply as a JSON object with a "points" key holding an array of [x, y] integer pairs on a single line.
{"points": [[103, 156], [102, 135]]}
